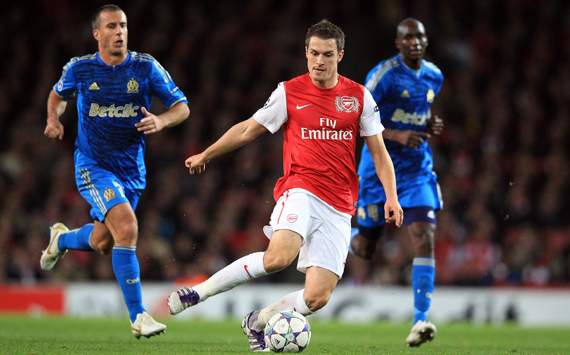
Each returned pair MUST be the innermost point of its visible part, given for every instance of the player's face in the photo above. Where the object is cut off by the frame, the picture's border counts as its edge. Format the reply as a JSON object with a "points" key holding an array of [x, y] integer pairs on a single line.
{"points": [[112, 33], [323, 57], [412, 41]]}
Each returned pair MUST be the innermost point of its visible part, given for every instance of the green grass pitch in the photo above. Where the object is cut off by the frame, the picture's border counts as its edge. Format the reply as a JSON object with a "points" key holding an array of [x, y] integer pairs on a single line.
{"points": [[57, 335]]}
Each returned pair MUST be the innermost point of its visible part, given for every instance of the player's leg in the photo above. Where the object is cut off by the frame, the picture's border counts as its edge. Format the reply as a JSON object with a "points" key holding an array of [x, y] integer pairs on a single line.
{"points": [[423, 267], [370, 215], [364, 240], [289, 223], [421, 224], [122, 223], [101, 238], [89, 237], [322, 257], [113, 206], [253, 324], [281, 252], [76, 239], [371, 222], [274, 260], [423, 280], [319, 285]]}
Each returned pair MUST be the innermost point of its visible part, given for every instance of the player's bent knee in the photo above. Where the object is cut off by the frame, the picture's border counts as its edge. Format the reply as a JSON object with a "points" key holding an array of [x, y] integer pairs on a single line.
{"points": [[127, 234], [363, 249], [316, 300], [104, 246], [366, 253], [423, 236]]}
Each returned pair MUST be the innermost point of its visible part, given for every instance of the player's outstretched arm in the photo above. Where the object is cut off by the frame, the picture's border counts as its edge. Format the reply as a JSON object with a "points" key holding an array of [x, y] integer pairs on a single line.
{"points": [[55, 108], [238, 135], [152, 123], [393, 212]]}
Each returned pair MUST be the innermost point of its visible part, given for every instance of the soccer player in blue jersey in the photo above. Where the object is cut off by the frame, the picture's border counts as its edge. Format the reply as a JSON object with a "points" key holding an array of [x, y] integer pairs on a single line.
{"points": [[404, 88], [113, 89]]}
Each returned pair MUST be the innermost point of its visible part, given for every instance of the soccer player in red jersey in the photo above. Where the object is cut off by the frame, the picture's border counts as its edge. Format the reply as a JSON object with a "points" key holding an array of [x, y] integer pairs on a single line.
{"points": [[321, 113]]}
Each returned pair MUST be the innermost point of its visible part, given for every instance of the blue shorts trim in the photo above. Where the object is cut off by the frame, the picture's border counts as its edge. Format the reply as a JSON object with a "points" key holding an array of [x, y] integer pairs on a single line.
{"points": [[417, 201], [419, 214], [103, 190]]}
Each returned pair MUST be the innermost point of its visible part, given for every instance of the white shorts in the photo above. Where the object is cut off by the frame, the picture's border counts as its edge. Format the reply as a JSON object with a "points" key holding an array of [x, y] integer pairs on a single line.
{"points": [[325, 231]]}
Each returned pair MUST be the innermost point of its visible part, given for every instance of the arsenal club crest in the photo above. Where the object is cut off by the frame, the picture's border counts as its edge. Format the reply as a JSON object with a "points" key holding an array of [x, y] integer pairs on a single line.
{"points": [[347, 104]]}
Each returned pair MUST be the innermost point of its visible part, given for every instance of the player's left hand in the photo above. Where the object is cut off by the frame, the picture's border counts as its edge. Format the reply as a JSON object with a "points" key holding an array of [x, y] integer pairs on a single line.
{"points": [[150, 123], [393, 213], [435, 125]]}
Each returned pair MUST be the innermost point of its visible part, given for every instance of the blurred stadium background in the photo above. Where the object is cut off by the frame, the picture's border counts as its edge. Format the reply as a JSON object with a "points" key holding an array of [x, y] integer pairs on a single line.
{"points": [[503, 243]]}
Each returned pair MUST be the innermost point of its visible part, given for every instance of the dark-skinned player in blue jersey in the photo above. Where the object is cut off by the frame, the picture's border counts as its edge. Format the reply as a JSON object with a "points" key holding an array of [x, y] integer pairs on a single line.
{"points": [[404, 87]]}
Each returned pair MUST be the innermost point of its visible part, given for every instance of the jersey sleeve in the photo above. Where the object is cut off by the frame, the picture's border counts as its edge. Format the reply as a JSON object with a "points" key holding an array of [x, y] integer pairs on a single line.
{"points": [[66, 87], [164, 87], [274, 113], [378, 82], [370, 124]]}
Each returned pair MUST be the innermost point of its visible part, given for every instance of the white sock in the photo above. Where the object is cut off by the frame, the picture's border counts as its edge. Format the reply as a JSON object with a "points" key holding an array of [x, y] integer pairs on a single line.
{"points": [[242, 270], [293, 301]]}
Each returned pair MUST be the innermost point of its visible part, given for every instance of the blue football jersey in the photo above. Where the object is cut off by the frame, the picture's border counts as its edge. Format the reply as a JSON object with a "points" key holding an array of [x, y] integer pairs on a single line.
{"points": [[404, 96], [109, 101]]}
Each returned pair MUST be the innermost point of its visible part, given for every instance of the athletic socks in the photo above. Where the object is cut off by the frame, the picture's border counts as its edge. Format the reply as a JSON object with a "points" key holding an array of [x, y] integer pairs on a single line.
{"points": [[423, 278], [293, 301], [77, 239], [244, 269], [127, 272]]}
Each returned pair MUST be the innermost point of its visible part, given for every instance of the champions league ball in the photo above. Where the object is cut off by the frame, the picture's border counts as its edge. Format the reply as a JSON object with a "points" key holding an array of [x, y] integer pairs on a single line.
{"points": [[287, 331]]}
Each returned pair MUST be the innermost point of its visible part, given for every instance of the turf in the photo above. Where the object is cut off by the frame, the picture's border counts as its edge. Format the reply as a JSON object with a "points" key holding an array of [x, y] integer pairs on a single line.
{"points": [[55, 335]]}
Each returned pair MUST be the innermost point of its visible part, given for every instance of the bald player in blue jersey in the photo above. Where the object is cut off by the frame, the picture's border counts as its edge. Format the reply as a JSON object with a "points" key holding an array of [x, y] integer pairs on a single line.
{"points": [[404, 88], [113, 89]]}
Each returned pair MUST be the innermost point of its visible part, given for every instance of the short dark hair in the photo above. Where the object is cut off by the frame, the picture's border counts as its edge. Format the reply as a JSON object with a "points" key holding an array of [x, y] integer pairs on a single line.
{"points": [[409, 21], [325, 29], [106, 7]]}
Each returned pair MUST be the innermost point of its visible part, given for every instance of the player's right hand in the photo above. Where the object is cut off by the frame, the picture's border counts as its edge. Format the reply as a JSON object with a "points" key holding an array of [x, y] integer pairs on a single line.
{"points": [[412, 139], [54, 129], [196, 164], [393, 212]]}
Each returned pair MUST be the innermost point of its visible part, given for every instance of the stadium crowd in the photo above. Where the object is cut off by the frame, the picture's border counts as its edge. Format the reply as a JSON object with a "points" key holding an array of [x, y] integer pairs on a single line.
{"points": [[502, 159]]}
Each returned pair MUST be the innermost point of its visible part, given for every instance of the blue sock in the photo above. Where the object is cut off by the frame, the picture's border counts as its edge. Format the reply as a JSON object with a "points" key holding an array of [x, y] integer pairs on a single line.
{"points": [[127, 272], [77, 239], [423, 278]]}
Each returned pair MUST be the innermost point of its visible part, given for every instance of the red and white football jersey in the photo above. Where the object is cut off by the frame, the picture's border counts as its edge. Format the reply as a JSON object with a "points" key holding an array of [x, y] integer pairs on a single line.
{"points": [[320, 128]]}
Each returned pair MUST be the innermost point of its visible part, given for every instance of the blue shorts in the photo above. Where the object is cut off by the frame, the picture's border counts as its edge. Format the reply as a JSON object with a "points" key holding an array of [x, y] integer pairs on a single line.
{"points": [[419, 202], [102, 189]]}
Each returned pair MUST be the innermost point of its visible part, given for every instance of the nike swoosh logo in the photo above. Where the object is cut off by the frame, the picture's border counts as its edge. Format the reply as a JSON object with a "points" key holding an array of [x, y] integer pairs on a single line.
{"points": [[247, 272], [300, 107]]}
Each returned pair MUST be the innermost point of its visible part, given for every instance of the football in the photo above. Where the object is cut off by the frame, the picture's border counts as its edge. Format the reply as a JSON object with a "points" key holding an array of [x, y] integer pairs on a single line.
{"points": [[287, 331]]}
